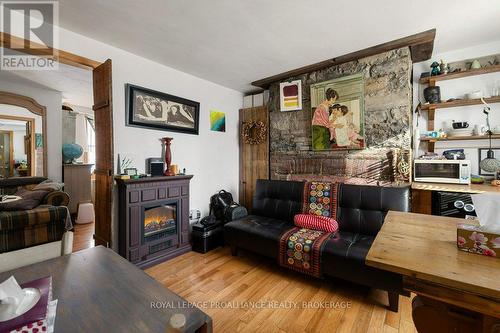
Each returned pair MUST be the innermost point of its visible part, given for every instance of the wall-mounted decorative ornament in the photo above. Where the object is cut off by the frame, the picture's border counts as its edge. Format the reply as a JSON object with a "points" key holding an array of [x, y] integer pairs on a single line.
{"points": [[338, 114], [254, 132], [291, 95]]}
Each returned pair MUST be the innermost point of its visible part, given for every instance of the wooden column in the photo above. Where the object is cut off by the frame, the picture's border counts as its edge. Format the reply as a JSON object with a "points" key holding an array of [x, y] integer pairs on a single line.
{"points": [[254, 158]]}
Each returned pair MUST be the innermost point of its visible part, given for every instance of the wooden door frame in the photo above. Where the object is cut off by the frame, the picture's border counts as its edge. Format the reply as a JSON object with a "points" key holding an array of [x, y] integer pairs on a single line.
{"points": [[34, 107], [11, 148], [68, 58]]}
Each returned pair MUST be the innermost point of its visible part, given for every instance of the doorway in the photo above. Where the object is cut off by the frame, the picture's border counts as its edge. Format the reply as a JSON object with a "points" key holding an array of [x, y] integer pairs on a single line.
{"points": [[103, 123], [19, 154]]}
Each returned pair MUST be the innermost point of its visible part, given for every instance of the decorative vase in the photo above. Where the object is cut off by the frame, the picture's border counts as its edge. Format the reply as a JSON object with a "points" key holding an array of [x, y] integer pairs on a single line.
{"points": [[70, 152], [168, 156]]}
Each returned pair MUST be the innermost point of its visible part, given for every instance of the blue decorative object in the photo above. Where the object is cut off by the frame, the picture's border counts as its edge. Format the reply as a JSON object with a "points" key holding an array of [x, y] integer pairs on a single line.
{"points": [[70, 152]]}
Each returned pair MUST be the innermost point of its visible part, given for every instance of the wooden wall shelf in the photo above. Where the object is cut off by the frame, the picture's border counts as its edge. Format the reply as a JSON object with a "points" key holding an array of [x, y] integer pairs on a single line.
{"points": [[460, 102], [471, 72], [461, 138], [431, 108]]}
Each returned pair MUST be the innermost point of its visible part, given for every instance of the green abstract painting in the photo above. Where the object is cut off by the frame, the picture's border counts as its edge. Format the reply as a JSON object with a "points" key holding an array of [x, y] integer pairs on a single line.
{"points": [[217, 121]]}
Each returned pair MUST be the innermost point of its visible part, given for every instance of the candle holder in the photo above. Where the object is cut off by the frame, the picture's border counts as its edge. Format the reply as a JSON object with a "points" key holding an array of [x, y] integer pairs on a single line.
{"points": [[168, 156]]}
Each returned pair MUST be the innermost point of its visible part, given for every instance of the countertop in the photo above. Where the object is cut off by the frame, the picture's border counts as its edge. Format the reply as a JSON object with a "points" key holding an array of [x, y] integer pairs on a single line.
{"points": [[472, 188]]}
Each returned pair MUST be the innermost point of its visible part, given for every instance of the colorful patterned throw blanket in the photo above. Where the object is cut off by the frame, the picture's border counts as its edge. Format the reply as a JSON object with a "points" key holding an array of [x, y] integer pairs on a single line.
{"points": [[320, 198], [300, 249]]}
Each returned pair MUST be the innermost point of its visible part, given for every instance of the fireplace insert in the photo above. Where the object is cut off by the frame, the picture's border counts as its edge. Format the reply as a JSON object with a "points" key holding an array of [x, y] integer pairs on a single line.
{"points": [[159, 221]]}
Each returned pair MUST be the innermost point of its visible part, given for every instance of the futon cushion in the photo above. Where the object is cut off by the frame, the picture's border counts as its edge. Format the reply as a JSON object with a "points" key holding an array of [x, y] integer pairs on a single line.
{"points": [[256, 233], [29, 200], [313, 222], [344, 257], [277, 199]]}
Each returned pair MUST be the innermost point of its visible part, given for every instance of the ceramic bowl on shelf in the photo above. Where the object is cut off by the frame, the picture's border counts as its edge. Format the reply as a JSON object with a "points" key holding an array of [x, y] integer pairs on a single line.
{"points": [[475, 94], [460, 132]]}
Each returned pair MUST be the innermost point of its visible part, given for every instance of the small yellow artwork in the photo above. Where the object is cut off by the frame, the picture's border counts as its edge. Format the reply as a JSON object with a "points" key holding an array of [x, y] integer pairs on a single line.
{"points": [[217, 121]]}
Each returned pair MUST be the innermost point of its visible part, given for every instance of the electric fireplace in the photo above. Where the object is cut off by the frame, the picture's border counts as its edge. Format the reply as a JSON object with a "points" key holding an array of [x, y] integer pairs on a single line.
{"points": [[153, 219], [160, 220]]}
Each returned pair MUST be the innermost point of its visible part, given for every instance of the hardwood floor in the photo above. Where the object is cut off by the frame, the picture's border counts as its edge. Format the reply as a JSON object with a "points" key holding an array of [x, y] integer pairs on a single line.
{"points": [[236, 281], [83, 236]]}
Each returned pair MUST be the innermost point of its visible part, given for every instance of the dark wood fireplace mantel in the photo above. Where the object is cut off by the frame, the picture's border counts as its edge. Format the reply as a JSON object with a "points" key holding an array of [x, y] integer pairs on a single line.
{"points": [[136, 196]]}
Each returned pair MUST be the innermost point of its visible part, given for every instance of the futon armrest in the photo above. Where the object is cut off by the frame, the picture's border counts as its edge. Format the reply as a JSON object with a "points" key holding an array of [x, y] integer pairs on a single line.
{"points": [[56, 198]]}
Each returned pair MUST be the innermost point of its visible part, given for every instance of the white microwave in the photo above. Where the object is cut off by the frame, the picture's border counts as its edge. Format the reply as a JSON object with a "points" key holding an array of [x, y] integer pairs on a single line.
{"points": [[442, 171]]}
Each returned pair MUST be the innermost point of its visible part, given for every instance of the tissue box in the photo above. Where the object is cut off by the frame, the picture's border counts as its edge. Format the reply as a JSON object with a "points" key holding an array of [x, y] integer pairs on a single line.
{"points": [[470, 238]]}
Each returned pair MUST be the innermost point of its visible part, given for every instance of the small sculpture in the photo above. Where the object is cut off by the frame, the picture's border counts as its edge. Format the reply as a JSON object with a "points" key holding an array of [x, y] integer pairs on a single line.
{"points": [[475, 64], [435, 68], [443, 67]]}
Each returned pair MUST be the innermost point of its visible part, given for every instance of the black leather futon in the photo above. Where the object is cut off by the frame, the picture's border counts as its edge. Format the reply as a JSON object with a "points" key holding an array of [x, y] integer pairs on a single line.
{"points": [[361, 213]]}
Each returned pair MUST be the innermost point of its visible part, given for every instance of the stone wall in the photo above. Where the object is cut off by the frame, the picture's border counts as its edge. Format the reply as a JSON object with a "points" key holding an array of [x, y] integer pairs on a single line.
{"points": [[388, 110]]}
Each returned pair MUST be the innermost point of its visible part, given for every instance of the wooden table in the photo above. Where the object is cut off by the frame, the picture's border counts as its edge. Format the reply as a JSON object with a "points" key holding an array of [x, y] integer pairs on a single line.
{"points": [[456, 291], [99, 291]]}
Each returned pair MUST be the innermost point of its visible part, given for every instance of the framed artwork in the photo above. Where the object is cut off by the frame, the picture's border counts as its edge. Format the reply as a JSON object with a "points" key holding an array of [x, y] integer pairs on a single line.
{"points": [[338, 110], [130, 171], [153, 109], [217, 121], [38, 140], [291, 95], [481, 152]]}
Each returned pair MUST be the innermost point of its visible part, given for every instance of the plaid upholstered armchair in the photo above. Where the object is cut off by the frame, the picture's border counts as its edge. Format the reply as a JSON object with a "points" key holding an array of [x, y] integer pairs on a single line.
{"points": [[39, 230]]}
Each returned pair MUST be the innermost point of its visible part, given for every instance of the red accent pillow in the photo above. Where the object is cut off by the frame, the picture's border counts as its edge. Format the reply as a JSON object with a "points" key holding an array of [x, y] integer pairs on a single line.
{"points": [[314, 222]]}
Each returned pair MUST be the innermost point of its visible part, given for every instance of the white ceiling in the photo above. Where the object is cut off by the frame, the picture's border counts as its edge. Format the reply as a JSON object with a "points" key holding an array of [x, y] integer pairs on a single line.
{"points": [[234, 42]]}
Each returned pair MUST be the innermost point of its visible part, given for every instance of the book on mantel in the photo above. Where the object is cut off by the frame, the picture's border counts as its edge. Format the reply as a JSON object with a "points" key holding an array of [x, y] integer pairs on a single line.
{"points": [[37, 313]]}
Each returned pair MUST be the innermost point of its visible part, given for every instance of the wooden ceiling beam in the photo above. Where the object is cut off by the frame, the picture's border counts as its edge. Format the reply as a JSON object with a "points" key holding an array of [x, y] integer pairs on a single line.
{"points": [[421, 46]]}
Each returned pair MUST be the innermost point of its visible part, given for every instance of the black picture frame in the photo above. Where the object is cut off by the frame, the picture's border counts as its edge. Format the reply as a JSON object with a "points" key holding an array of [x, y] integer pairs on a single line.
{"points": [[145, 117], [481, 152]]}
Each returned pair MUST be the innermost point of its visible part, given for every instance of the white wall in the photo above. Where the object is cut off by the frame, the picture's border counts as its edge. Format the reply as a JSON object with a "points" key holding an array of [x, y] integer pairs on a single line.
{"points": [[52, 100], [456, 89], [212, 157]]}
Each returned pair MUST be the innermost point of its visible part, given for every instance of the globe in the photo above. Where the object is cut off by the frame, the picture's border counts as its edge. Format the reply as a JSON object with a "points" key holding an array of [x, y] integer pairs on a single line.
{"points": [[70, 152]]}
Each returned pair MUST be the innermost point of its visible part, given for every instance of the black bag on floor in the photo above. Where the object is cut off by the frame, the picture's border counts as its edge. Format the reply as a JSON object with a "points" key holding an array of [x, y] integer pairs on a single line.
{"points": [[223, 207]]}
